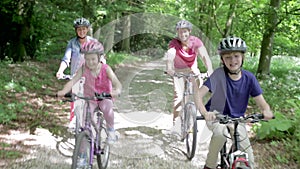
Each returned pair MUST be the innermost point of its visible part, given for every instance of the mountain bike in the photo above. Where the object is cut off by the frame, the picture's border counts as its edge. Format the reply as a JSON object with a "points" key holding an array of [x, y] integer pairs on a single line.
{"points": [[235, 158], [188, 114], [91, 138]]}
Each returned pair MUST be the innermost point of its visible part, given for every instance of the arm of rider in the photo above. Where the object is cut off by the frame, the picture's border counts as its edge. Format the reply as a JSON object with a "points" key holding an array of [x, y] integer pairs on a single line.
{"points": [[68, 86], [65, 60], [62, 68], [264, 107], [117, 86], [206, 60], [209, 116], [170, 55]]}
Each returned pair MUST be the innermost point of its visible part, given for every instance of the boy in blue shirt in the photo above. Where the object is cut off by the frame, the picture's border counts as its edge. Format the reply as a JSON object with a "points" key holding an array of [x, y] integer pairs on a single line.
{"points": [[231, 88]]}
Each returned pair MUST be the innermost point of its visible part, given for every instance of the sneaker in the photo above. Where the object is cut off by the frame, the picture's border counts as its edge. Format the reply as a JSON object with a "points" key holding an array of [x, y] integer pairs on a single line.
{"points": [[112, 136], [81, 162]]}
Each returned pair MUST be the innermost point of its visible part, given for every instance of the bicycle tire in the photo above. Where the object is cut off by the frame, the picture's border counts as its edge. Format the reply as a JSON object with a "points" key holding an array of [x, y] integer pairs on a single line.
{"points": [[103, 156], [190, 113], [82, 150], [65, 147]]}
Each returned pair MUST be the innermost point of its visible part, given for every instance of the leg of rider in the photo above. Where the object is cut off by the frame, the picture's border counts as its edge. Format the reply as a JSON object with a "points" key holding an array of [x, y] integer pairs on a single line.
{"points": [[75, 89], [245, 144], [71, 111], [196, 92], [106, 106], [178, 95], [217, 141], [93, 105]]}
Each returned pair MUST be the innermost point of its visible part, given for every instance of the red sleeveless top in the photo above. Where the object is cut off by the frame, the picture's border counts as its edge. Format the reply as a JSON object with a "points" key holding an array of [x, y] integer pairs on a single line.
{"points": [[185, 59], [98, 84]]}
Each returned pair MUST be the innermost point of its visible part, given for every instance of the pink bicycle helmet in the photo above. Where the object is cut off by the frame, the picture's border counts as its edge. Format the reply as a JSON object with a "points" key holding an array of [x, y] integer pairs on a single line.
{"points": [[91, 47]]}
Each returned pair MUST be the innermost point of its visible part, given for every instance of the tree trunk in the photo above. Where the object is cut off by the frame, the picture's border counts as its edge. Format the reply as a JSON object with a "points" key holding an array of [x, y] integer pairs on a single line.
{"points": [[20, 48], [267, 41], [126, 34], [230, 17], [109, 36]]}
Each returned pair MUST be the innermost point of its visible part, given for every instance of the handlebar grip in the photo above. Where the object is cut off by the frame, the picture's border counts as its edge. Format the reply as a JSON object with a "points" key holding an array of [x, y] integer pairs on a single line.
{"points": [[103, 96], [106, 95], [68, 95], [260, 116]]}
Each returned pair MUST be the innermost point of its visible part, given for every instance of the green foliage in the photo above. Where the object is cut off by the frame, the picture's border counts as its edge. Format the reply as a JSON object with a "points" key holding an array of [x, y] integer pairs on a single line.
{"points": [[118, 58], [7, 153], [282, 92], [276, 128]]}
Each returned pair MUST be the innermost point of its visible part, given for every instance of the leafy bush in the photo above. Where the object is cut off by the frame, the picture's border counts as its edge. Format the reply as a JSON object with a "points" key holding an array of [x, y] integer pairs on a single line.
{"points": [[282, 92], [114, 59]]}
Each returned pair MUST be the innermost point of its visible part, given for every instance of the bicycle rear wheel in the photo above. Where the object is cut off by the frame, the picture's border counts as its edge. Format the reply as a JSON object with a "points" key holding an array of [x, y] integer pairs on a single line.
{"points": [[103, 156], [81, 156], [190, 122]]}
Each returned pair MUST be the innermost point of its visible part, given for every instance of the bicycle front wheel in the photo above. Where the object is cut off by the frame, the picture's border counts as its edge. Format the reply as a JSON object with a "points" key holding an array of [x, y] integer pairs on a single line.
{"points": [[82, 155], [224, 158], [190, 125], [103, 156]]}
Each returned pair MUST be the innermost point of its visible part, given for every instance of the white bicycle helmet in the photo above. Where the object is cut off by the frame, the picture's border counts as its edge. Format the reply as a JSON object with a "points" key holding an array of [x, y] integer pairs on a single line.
{"points": [[81, 22], [232, 43], [184, 24]]}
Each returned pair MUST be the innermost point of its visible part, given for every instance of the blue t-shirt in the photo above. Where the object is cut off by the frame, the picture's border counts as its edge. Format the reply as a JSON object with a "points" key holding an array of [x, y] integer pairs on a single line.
{"points": [[234, 97]]}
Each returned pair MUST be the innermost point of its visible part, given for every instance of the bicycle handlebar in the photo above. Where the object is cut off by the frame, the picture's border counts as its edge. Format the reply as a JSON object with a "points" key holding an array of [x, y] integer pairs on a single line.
{"points": [[253, 118], [65, 77], [187, 75], [98, 97]]}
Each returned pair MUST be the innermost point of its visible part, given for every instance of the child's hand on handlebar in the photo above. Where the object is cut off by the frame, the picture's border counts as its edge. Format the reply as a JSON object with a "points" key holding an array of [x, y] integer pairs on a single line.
{"points": [[268, 115], [210, 116]]}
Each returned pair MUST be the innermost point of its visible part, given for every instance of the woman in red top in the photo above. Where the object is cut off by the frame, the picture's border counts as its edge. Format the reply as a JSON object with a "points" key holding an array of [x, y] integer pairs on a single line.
{"points": [[182, 57]]}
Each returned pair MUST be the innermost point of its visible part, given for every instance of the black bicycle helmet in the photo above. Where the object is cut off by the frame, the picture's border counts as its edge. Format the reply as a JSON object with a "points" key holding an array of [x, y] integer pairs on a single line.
{"points": [[81, 22], [232, 43], [184, 24]]}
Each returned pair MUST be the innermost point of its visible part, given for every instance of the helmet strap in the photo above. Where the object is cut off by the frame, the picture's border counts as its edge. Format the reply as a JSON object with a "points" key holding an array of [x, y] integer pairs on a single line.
{"points": [[236, 72], [81, 37]]}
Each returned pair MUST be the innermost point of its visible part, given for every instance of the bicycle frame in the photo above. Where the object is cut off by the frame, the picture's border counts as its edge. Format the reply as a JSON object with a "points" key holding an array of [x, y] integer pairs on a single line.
{"points": [[88, 127], [188, 91], [89, 124], [188, 114], [235, 155]]}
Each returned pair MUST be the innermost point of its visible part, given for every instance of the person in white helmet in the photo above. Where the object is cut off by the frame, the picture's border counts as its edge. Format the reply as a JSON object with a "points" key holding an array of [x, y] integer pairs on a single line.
{"points": [[182, 57], [230, 87]]}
